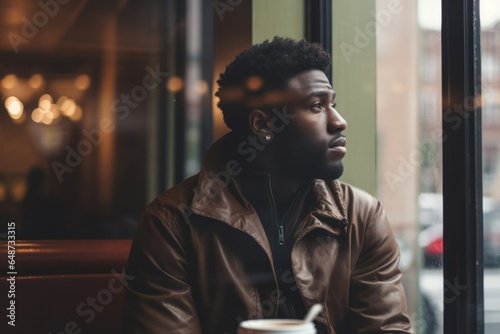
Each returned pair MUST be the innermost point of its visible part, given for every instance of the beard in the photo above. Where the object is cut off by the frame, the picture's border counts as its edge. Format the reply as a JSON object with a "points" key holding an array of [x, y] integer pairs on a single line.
{"points": [[319, 164], [329, 171], [311, 162]]}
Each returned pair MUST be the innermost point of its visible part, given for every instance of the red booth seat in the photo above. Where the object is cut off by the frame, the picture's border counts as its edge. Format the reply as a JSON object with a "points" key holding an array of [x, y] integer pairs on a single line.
{"points": [[63, 286]]}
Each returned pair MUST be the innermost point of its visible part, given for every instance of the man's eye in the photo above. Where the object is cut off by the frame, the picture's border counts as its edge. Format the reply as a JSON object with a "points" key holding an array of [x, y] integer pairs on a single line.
{"points": [[317, 105]]}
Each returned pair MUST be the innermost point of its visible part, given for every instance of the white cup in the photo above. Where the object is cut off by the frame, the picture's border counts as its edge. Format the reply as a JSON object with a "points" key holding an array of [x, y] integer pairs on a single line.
{"points": [[276, 326]]}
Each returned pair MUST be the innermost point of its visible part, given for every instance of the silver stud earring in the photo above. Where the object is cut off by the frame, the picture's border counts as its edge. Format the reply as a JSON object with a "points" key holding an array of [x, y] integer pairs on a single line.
{"points": [[268, 137]]}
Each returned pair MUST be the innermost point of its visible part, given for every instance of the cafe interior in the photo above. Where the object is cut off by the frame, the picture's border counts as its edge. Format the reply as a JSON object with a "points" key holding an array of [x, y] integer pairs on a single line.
{"points": [[106, 104]]}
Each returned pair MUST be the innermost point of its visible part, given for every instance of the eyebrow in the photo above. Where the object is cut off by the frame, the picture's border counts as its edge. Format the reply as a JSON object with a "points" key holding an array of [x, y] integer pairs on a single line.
{"points": [[321, 93]]}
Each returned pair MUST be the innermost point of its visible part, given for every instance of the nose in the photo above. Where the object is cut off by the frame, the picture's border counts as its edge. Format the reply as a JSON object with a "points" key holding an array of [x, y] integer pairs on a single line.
{"points": [[335, 121]]}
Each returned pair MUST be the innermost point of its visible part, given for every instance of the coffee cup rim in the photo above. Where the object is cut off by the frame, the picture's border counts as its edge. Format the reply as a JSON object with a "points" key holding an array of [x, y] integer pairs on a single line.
{"points": [[266, 324]]}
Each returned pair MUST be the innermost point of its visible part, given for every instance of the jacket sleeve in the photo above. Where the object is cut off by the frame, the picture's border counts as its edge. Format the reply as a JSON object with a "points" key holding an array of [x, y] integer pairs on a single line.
{"points": [[377, 302], [159, 297]]}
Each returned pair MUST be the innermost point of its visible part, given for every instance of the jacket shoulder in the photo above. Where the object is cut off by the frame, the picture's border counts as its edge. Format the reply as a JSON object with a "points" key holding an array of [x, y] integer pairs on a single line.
{"points": [[356, 194], [361, 207], [349, 193], [174, 201]]}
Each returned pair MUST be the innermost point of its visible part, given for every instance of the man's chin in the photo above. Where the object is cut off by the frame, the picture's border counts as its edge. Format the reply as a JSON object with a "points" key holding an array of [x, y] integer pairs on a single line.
{"points": [[331, 172]]}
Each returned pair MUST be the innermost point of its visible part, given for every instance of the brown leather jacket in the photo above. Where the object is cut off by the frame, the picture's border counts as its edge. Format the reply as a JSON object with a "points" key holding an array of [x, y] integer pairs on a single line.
{"points": [[200, 252]]}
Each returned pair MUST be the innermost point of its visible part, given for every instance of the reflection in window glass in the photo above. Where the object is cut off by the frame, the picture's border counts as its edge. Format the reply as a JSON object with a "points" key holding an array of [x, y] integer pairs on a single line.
{"points": [[490, 54], [409, 144], [80, 98]]}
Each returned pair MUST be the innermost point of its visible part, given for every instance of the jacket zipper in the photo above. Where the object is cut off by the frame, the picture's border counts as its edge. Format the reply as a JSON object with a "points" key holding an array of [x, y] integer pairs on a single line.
{"points": [[281, 241], [281, 235], [281, 228]]}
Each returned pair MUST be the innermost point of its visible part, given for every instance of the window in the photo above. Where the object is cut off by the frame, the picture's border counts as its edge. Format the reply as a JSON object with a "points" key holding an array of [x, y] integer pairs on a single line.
{"points": [[90, 120]]}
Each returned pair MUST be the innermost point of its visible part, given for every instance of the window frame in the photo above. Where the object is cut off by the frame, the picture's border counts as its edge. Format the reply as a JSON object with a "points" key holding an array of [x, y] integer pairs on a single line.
{"points": [[463, 268]]}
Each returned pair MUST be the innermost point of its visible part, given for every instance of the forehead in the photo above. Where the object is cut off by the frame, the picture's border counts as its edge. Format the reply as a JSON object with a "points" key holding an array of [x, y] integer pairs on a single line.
{"points": [[299, 89], [309, 81]]}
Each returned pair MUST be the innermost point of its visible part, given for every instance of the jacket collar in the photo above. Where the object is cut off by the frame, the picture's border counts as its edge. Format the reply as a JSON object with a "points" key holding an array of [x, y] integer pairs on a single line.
{"points": [[218, 195]]}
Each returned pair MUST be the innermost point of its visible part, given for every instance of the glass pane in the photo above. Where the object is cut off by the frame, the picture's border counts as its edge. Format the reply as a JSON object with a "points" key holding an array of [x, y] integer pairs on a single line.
{"points": [[430, 202], [386, 73], [81, 85], [490, 55], [409, 148]]}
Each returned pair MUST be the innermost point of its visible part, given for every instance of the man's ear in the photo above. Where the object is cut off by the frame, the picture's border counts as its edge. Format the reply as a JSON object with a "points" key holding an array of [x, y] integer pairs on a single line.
{"points": [[258, 121]]}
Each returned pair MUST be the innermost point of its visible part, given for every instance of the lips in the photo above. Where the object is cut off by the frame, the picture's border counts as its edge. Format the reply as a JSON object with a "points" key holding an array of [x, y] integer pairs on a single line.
{"points": [[338, 142], [337, 145]]}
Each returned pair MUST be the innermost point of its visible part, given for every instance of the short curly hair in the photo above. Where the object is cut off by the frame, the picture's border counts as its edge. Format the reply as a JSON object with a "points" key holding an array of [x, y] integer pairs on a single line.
{"points": [[261, 69]]}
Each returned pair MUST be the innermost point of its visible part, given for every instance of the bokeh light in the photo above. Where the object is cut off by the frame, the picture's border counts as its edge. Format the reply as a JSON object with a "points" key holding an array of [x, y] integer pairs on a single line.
{"points": [[82, 82], [36, 81], [14, 107], [175, 84], [77, 115], [254, 83], [37, 115], [9, 82], [45, 102], [201, 87]]}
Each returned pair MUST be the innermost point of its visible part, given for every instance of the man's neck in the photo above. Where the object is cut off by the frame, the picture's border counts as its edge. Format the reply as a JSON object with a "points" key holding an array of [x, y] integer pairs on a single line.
{"points": [[283, 186], [284, 189]]}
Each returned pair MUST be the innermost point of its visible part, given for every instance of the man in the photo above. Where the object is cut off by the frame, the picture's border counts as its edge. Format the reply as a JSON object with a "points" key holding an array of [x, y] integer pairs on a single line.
{"points": [[265, 229]]}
